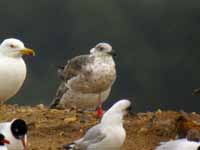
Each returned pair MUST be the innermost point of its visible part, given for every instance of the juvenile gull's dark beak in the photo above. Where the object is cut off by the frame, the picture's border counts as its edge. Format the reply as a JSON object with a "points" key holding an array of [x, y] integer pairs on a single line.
{"points": [[113, 52]]}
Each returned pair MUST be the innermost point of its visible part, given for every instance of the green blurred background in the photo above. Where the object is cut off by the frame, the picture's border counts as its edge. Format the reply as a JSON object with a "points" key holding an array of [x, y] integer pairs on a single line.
{"points": [[157, 42]]}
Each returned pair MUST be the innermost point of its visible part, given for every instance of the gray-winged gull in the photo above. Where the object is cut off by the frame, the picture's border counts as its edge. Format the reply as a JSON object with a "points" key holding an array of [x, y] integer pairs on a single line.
{"points": [[109, 134], [87, 79]]}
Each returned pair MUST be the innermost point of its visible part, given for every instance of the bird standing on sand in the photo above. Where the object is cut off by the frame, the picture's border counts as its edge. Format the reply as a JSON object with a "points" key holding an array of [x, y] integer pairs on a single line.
{"points": [[16, 132], [12, 67], [3, 141], [109, 134], [87, 79]]}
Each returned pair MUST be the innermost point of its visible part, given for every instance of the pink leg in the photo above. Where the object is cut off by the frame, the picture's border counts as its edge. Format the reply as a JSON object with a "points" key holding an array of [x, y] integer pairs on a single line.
{"points": [[99, 109]]}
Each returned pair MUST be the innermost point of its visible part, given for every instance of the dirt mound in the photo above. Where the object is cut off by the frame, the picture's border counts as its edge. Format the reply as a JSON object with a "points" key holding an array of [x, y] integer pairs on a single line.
{"points": [[51, 129]]}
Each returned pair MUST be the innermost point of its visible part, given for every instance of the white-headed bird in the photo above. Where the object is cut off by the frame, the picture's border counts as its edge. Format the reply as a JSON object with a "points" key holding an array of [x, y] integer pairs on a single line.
{"points": [[12, 67], [87, 79]]}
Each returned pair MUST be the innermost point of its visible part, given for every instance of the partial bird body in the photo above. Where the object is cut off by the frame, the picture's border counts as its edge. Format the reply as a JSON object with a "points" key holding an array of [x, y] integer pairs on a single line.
{"points": [[12, 76], [97, 138], [109, 134], [180, 144], [15, 142], [82, 100], [108, 143], [94, 77], [3, 147], [5, 129]]}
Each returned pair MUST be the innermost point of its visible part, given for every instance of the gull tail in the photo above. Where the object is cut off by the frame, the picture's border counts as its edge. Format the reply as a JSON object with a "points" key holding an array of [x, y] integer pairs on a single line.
{"points": [[54, 103], [60, 92], [70, 146]]}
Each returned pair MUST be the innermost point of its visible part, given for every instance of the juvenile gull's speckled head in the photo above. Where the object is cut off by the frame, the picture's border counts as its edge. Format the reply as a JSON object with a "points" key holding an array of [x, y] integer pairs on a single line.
{"points": [[103, 48]]}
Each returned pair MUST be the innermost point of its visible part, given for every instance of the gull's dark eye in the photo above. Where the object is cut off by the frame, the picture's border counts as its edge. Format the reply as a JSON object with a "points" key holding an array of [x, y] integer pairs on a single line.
{"points": [[12, 46], [101, 48]]}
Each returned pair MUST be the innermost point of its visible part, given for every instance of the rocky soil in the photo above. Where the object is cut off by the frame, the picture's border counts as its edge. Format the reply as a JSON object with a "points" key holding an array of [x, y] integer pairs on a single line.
{"points": [[51, 129]]}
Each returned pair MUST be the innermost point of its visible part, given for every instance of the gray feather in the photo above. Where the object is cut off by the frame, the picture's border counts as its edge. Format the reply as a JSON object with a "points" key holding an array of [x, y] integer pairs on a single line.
{"points": [[93, 136]]}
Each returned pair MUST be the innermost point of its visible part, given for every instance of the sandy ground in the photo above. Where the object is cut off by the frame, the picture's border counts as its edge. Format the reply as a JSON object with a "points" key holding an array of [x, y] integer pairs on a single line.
{"points": [[51, 129]]}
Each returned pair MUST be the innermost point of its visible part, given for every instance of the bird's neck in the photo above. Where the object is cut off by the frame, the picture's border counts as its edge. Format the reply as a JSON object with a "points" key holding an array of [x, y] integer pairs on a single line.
{"points": [[118, 123], [12, 55], [104, 58], [110, 119], [102, 55]]}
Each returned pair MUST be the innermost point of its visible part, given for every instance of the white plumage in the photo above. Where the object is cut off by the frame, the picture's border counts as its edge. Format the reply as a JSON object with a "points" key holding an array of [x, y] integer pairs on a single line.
{"points": [[109, 134], [179, 144], [18, 140], [3, 147], [12, 67]]}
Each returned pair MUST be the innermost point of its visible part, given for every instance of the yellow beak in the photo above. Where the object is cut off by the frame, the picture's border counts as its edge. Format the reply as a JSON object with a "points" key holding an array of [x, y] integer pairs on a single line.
{"points": [[27, 51]]}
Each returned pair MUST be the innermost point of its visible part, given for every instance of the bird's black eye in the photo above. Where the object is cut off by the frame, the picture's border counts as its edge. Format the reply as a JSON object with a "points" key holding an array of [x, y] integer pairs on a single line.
{"points": [[101, 48], [198, 148], [12, 46]]}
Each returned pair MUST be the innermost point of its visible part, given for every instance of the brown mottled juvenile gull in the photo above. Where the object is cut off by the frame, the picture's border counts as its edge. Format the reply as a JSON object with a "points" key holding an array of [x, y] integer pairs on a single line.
{"points": [[87, 79]]}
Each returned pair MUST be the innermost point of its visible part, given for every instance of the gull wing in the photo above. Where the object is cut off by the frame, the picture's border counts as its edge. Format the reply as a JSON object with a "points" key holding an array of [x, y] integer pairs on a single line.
{"points": [[77, 65]]}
